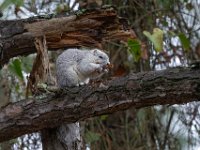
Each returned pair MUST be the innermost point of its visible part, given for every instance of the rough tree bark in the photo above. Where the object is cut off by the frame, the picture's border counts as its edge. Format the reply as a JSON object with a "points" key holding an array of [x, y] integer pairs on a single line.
{"points": [[173, 86]]}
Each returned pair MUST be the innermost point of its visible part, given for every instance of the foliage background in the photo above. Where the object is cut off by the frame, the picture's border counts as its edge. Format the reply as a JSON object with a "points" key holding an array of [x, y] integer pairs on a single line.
{"points": [[168, 34]]}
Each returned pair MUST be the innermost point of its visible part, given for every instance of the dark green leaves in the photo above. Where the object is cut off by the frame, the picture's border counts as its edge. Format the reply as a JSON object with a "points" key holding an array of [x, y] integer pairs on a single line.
{"points": [[92, 136], [27, 63], [16, 68], [184, 41], [135, 49], [7, 3]]}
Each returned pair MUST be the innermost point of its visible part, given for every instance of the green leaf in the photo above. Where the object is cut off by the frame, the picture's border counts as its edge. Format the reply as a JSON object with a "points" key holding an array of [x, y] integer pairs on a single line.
{"points": [[167, 4], [27, 63], [171, 33], [7, 3], [165, 23], [18, 3], [184, 41], [92, 137], [135, 49], [189, 6], [156, 38], [103, 117], [15, 68]]}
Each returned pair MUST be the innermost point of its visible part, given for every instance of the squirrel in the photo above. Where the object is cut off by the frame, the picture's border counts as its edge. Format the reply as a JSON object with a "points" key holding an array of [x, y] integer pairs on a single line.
{"points": [[76, 67]]}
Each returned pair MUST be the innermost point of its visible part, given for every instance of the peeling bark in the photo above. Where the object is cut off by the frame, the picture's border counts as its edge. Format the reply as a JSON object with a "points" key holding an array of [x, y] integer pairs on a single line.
{"points": [[172, 86], [88, 29]]}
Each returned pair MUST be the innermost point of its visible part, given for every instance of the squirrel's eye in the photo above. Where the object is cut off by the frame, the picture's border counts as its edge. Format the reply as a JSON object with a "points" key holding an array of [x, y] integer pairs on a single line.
{"points": [[100, 57]]}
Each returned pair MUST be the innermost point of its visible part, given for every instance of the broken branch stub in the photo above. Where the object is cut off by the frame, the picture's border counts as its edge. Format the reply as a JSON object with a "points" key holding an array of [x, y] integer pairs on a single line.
{"points": [[89, 29]]}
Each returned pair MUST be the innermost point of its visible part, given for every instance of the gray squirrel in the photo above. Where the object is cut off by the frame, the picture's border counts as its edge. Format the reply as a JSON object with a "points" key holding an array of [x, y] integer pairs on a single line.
{"points": [[76, 67]]}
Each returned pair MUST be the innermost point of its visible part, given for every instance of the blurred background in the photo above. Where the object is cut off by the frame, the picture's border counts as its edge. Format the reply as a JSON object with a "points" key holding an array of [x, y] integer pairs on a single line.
{"points": [[168, 35]]}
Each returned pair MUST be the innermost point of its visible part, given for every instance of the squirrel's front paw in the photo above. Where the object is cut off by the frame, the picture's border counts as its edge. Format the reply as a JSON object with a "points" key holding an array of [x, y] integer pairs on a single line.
{"points": [[105, 70], [99, 70]]}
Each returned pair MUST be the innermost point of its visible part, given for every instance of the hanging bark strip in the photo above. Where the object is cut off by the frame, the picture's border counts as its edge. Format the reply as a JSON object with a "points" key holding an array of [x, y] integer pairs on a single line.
{"points": [[40, 70]]}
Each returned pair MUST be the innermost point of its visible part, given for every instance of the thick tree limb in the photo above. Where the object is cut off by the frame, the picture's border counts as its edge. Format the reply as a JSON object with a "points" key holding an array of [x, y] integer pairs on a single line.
{"points": [[172, 86], [88, 29]]}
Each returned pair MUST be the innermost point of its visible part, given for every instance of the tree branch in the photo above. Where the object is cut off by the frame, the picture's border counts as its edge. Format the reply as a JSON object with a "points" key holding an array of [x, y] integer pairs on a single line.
{"points": [[172, 86], [88, 29]]}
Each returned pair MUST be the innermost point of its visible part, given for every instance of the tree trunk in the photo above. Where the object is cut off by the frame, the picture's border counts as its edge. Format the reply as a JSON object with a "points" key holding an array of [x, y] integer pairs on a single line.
{"points": [[64, 137]]}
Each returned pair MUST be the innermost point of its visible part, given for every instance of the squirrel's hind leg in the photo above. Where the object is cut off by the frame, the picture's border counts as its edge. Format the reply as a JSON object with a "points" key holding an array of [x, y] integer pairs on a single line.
{"points": [[71, 77]]}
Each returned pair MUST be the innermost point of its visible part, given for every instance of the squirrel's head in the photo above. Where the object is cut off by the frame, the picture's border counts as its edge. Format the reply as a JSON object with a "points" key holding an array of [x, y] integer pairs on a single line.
{"points": [[100, 57]]}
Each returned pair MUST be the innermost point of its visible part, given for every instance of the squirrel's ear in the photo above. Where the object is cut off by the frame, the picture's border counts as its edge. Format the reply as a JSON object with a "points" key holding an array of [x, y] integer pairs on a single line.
{"points": [[94, 51]]}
